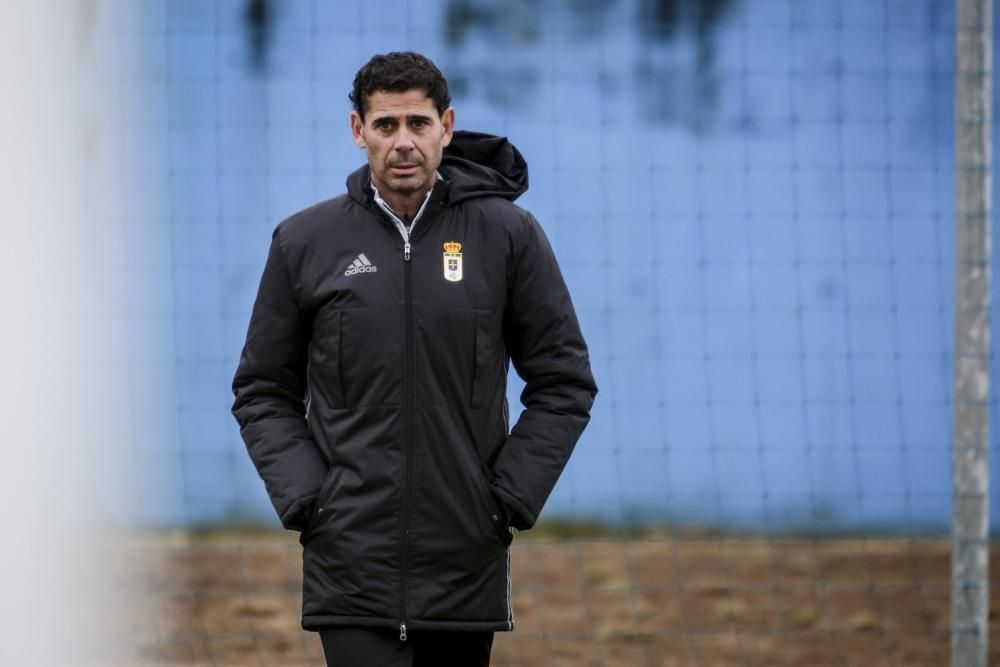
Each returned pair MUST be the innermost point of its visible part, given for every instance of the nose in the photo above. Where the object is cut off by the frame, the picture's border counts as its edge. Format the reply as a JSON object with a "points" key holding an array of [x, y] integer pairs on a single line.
{"points": [[404, 141]]}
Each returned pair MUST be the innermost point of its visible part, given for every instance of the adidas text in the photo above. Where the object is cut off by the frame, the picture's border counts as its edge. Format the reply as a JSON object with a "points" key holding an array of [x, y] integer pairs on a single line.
{"points": [[360, 265], [360, 269]]}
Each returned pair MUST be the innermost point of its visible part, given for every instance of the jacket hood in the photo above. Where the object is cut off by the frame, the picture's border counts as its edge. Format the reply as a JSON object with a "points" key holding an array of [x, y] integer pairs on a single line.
{"points": [[474, 164], [480, 164]]}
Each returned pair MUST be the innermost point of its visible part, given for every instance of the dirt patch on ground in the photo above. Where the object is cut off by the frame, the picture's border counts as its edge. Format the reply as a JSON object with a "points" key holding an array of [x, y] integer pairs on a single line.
{"points": [[233, 598]]}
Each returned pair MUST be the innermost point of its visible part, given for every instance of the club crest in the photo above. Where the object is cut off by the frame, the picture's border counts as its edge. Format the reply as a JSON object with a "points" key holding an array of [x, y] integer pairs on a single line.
{"points": [[453, 261]]}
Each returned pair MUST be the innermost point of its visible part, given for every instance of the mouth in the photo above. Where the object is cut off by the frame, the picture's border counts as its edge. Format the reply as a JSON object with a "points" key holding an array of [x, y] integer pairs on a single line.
{"points": [[403, 169]]}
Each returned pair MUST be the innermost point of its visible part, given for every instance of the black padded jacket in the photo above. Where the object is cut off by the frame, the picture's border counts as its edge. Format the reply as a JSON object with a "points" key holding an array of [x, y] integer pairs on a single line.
{"points": [[371, 393]]}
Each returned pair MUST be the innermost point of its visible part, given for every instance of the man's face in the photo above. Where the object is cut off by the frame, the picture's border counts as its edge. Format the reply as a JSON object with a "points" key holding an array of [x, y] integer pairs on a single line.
{"points": [[404, 137]]}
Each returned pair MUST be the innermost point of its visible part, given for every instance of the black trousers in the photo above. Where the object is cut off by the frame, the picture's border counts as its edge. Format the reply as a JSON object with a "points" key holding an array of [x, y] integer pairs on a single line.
{"points": [[379, 647]]}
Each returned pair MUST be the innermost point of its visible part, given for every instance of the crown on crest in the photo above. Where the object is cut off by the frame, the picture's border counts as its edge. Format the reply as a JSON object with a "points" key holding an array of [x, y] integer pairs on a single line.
{"points": [[452, 247]]}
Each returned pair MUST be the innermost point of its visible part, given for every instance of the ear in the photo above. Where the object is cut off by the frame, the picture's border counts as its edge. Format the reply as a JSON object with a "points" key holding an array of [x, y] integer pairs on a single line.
{"points": [[448, 124], [358, 130]]}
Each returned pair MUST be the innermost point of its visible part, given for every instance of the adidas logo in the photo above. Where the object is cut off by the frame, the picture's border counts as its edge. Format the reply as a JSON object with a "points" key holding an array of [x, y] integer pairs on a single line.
{"points": [[361, 265]]}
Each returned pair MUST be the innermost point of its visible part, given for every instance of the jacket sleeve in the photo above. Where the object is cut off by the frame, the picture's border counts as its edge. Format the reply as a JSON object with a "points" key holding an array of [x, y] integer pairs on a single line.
{"points": [[545, 344], [269, 387]]}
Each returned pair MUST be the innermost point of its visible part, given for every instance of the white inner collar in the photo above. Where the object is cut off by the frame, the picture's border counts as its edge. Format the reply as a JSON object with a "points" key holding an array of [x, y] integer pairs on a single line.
{"points": [[384, 205]]}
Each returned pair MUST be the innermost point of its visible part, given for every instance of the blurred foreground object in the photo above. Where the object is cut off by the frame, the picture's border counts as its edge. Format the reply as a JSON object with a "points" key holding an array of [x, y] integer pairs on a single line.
{"points": [[61, 196]]}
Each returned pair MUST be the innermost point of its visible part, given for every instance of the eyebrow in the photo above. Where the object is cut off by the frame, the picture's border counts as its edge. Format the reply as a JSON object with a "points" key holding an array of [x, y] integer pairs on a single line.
{"points": [[415, 116]]}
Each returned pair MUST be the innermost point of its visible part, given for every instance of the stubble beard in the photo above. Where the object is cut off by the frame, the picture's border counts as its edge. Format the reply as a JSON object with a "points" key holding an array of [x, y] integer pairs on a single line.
{"points": [[416, 182]]}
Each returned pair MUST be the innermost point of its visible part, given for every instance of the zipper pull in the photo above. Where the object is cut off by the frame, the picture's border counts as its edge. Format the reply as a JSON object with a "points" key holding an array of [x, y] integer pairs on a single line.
{"points": [[402, 626], [406, 258]]}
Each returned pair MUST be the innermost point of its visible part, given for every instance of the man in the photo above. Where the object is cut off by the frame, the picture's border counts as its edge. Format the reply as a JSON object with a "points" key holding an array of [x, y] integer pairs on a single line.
{"points": [[371, 392]]}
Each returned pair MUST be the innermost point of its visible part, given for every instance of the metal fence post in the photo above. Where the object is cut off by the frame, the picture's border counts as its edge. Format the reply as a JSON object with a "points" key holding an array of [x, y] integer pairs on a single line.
{"points": [[970, 520]]}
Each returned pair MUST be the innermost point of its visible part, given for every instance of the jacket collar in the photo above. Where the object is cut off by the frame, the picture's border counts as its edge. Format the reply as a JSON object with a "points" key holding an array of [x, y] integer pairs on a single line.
{"points": [[384, 205], [359, 188]]}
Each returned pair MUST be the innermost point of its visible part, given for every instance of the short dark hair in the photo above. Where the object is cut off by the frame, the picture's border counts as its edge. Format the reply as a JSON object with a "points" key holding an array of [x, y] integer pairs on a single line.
{"points": [[397, 72]]}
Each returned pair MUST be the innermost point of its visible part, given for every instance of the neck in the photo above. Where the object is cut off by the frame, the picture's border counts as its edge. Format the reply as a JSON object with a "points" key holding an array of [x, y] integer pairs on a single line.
{"points": [[405, 204]]}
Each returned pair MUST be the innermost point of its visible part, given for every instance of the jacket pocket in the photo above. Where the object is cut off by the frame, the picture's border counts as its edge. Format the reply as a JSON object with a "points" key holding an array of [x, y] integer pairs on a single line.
{"points": [[326, 358], [318, 511], [499, 519], [485, 365], [497, 512]]}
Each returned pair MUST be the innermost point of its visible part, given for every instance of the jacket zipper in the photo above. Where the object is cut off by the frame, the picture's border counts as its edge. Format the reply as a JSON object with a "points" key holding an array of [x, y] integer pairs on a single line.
{"points": [[407, 400], [408, 420]]}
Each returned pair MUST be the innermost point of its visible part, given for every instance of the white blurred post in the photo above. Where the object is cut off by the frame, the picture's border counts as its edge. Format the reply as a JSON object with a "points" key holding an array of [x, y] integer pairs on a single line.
{"points": [[60, 144]]}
